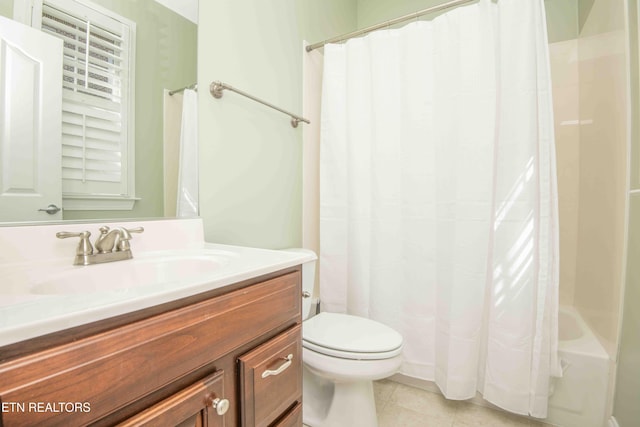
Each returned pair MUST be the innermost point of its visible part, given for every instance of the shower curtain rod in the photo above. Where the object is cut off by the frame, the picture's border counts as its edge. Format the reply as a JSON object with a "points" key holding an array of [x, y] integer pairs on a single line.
{"points": [[182, 89], [217, 87], [387, 24]]}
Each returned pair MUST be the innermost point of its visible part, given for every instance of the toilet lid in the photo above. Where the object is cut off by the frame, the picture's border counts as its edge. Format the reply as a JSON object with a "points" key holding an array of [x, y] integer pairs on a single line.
{"points": [[343, 335]]}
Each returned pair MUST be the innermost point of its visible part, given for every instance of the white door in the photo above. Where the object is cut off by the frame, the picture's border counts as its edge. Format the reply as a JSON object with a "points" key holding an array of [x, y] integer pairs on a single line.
{"points": [[30, 123]]}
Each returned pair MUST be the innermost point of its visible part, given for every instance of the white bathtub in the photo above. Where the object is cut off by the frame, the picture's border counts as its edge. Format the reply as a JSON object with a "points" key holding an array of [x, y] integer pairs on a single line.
{"points": [[579, 398]]}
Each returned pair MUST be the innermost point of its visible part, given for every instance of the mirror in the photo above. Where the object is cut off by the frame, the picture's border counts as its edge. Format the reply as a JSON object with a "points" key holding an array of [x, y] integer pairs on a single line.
{"points": [[165, 59]]}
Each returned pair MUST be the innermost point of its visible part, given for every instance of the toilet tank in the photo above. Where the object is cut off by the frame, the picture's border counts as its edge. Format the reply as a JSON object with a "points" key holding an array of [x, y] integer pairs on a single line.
{"points": [[308, 279]]}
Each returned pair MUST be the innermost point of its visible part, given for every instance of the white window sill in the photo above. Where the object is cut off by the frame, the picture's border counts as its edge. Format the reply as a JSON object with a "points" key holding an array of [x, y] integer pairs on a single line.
{"points": [[98, 203]]}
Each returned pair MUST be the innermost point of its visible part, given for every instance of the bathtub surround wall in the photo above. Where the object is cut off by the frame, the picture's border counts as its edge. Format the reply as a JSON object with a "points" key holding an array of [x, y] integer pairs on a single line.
{"points": [[603, 166], [251, 158], [565, 80], [589, 75]]}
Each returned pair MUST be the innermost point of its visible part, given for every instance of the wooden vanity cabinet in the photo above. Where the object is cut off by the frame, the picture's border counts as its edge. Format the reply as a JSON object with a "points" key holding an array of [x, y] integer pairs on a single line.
{"points": [[168, 368]]}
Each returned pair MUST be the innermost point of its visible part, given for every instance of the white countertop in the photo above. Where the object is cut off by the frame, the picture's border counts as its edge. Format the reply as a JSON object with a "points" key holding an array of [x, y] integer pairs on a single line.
{"points": [[27, 314]]}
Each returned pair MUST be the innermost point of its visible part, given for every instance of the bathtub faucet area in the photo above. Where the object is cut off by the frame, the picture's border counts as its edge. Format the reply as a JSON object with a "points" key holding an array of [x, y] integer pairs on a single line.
{"points": [[111, 245]]}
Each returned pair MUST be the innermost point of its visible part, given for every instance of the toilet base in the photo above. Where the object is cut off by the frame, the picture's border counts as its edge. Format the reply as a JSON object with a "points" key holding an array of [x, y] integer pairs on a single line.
{"points": [[339, 404]]}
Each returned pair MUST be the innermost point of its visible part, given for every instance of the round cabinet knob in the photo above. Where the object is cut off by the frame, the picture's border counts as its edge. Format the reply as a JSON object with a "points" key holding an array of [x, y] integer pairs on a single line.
{"points": [[220, 405]]}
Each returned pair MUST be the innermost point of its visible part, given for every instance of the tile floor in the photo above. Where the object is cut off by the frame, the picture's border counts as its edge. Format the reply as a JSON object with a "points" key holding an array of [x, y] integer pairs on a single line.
{"points": [[399, 405]]}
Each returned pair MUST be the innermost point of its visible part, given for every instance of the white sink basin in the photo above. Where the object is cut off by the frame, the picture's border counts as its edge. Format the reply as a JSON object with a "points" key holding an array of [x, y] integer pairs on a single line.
{"points": [[120, 276], [41, 292]]}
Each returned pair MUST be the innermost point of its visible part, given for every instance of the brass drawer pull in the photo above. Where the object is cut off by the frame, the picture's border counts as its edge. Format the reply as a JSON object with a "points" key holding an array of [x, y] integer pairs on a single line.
{"points": [[282, 367]]}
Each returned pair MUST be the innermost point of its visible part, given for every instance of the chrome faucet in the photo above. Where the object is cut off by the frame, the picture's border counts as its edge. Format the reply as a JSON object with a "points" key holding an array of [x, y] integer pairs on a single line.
{"points": [[111, 245]]}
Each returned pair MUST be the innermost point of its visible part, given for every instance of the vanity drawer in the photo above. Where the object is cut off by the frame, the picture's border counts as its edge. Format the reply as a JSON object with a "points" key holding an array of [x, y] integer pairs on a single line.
{"points": [[112, 369], [193, 406], [271, 379], [293, 418]]}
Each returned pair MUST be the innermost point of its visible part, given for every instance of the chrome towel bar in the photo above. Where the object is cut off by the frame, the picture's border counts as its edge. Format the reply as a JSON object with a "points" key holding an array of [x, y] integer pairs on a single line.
{"points": [[217, 87]]}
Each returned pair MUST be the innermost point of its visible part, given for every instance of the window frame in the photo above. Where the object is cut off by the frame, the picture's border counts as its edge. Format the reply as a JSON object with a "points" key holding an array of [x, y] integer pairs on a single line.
{"points": [[29, 12]]}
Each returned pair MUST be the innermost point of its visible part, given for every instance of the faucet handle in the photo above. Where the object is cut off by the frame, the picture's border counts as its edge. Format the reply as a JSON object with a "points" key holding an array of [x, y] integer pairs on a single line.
{"points": [[134, 230], [84, 246], [125, 236]]}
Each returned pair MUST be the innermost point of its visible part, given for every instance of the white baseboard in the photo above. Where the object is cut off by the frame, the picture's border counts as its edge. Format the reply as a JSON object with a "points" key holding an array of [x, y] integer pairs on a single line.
{"points": [[613, 422]]}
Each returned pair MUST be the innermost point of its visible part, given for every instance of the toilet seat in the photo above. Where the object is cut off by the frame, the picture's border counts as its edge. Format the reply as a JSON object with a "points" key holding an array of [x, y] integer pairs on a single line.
{"points": [[350, 337]]}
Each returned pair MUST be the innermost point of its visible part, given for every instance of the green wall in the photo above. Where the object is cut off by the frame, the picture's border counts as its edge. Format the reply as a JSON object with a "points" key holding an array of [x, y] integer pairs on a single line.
{"points": [[371, 12], [6, 8], [250, 156], [584, 8], [166, 58]]}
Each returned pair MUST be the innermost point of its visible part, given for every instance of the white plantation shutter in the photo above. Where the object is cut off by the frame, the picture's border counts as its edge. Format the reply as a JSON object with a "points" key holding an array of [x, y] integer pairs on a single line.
{"points": [[91, 150], [97, 125]]}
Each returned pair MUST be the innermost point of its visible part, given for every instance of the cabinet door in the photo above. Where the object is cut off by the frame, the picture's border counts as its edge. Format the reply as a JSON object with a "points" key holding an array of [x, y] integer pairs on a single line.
{"points": [[199, 405], [271, 379]]}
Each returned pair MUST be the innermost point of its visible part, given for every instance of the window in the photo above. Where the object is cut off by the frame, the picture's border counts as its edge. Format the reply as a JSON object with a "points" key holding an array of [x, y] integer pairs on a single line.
{"points": [[97, 102]]}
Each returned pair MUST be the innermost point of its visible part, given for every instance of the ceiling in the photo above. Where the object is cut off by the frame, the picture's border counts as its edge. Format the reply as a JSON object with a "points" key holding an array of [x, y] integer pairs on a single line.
{"points": [[186, 8]]}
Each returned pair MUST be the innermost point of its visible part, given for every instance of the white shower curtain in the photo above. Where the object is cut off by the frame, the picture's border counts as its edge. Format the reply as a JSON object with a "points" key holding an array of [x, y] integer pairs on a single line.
{"points": [[188, 199], [438, 204]]}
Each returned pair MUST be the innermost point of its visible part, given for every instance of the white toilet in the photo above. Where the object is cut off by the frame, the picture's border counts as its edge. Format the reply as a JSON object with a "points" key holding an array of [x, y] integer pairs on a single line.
{"points": [[342, 355]]}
